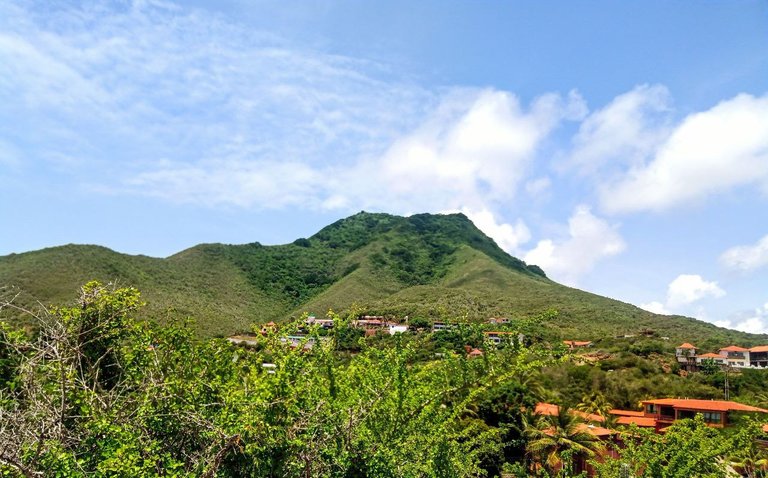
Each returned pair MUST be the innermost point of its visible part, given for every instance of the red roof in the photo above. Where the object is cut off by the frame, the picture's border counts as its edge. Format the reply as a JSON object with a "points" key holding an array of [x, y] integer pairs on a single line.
{"points": [[475, 353], [759, 348], [734, 348], [626, 413], [710, 355], [686, 346], [706, 405], [551, 409], [639, 421]]}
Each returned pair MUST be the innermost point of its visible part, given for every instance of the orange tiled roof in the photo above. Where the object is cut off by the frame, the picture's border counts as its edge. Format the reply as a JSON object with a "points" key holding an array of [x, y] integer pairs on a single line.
{"points": [[551, 409], [626, 413], [591, 429], [707, 405], [710, 355], [759, 348], [686, 346], [576, 343], [639, 421], [734, 348]]}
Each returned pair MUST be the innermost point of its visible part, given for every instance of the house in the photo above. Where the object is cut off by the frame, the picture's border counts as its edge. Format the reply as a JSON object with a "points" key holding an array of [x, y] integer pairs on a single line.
{"points": [[629, 417], [438, 326], [248, 340], [368, 323], [758, 356], [397, 329], [660, 413], [499, 320], [684, 351], [322, 323], [473, 352], [576, 344], [267, 328], [716, 358], [736, 356], [504, 337]]}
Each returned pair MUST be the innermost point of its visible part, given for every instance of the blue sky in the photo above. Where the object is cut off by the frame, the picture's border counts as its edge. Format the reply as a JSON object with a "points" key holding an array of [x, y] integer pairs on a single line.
{"points": [[622, 146]]}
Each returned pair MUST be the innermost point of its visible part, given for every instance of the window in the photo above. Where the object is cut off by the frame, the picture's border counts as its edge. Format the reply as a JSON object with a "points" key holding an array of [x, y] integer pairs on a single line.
{"points": [[712, 417]]}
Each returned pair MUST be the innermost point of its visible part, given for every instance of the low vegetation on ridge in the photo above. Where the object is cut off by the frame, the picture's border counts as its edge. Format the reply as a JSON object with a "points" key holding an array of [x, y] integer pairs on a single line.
{"points": [[429, 266]]}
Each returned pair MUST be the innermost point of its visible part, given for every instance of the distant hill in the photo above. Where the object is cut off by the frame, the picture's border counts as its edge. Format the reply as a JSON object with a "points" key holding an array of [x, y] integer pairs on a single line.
{"points": [[433, 266]]}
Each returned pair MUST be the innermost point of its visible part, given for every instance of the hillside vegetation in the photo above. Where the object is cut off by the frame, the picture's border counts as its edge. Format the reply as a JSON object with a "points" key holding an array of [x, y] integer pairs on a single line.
{"points": [[429, 266]]}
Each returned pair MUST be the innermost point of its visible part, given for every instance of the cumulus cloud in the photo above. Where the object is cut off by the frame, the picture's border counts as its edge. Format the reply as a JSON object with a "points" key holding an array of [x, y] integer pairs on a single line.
{"points": [[508, 236], [753, 321], [684, 291], [538, 187], [475, 148], [656, 307], [688, 288], [160, 100], [748, 257], [707, 153], [624, 132], [589, 240]]}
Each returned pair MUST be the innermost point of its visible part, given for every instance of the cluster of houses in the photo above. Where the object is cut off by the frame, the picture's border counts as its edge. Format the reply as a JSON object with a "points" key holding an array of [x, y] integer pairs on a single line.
{"points": [[732, 356], [657, 414]]}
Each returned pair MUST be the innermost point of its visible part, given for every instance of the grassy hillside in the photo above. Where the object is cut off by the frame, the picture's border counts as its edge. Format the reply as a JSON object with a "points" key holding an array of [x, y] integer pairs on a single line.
{"points": [[435, 266]]}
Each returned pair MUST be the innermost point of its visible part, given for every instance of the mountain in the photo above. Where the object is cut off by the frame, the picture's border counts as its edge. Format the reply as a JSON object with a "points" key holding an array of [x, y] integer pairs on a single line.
{"points": [[433, 266]]}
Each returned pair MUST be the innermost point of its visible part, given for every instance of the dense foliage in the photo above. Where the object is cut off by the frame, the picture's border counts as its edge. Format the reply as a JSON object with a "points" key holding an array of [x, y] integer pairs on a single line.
{"points": [[99, 394]]}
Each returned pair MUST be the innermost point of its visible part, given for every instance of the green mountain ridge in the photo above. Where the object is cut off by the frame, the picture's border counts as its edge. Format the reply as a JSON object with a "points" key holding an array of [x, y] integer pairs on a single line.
{"points": [[433, 266]]}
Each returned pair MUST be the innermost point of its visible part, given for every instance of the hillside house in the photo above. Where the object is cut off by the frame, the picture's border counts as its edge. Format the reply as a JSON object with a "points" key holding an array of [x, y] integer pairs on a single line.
{"points": [[499, 320], [735, 356], [758, 356], [661, 413], [732, 356], [473, 352], [577, 344], [499, 338], [716, 358], [322, 323]]}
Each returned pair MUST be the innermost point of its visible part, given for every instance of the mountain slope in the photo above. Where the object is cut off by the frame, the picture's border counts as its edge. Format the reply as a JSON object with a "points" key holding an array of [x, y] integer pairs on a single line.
{"points": [[436, 266]]}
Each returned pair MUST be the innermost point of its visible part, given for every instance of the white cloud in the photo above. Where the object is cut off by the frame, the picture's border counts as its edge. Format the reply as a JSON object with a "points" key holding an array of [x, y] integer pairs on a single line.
{"points": [[508, 236], [538, 187], [707, 153], [472, 151], [746, 258], [589, 240], [688, 288], [754, 321], [656, 308], [146, 90], [624, 132]]}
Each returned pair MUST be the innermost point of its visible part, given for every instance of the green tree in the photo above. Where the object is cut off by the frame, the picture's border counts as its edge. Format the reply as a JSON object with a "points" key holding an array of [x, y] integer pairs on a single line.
{"points": [[561, 442]]}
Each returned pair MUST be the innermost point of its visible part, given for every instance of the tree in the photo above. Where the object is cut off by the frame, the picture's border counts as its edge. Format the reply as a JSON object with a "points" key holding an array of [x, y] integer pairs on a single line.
{"points": [[561, 442], [687, 448]]}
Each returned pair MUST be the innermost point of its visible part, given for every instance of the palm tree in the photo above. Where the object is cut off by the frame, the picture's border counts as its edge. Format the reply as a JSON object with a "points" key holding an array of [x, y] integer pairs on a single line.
{"points": [[558, 441], [595, 403]]}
